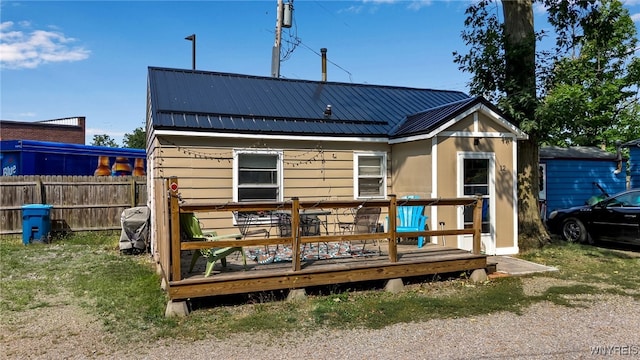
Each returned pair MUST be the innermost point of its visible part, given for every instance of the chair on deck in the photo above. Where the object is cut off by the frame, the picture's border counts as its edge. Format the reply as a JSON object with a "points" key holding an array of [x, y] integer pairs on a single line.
{"points": [[245, 221], [365, 221], [411, 218], [191, 230], [309, 226]]}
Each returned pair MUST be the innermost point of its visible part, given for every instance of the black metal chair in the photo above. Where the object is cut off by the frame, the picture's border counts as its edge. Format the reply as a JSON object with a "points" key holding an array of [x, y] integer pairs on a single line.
{"points": [[365, 221]]}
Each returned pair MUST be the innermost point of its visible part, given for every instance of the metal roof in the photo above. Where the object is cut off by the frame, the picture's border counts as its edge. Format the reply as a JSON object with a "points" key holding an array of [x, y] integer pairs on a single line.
{"points": [[198, 100], [632, 143], [576, 152], [429, 120]]}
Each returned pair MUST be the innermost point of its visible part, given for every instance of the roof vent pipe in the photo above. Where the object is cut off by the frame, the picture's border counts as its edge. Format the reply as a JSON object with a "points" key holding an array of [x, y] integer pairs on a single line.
{"points": [[323, 51]]}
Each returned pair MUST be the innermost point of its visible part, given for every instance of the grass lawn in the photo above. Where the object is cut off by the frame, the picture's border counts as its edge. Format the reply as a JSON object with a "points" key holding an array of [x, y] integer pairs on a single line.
{"points": [[124, 291]]}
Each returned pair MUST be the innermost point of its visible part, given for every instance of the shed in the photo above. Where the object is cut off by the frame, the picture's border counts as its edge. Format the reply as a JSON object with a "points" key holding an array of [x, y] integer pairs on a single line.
{"points": [[570, 176], [236, 138]]}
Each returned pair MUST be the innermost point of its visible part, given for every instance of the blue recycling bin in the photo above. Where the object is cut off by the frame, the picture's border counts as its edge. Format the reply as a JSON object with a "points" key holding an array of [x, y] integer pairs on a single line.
{"points": [[36, 223]]}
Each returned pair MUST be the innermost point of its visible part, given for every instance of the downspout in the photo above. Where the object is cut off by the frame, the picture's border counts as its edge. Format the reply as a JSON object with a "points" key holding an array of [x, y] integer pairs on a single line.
{"points": [[618, 157]]}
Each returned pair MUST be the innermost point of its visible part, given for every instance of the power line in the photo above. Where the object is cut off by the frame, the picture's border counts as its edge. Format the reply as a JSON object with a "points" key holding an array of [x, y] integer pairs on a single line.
{"points": [[300, 42]]}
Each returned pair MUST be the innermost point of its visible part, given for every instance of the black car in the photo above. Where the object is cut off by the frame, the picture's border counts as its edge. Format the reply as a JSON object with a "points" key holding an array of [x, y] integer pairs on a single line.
{"points": [[615, 218]]}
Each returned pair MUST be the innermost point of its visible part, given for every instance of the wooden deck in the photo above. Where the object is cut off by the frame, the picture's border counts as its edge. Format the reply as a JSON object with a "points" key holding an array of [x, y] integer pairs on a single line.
{"points": [[235, 279], [394, 262]]}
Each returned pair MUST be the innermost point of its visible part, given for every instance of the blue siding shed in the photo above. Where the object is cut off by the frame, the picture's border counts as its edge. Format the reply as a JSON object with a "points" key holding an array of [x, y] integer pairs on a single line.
{"points": [[573, 175]]}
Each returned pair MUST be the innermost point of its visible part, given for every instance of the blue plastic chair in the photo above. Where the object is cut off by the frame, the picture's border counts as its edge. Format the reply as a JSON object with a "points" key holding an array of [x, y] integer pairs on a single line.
{"points": [[411, 218]]}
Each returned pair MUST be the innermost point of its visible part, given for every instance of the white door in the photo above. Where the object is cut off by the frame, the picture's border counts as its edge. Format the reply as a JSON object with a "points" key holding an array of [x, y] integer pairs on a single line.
{"points": [[476, 177]]}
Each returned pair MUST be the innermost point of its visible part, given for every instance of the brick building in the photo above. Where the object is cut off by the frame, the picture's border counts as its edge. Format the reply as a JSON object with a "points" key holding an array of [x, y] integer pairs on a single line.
{"points": [[68, 130]]}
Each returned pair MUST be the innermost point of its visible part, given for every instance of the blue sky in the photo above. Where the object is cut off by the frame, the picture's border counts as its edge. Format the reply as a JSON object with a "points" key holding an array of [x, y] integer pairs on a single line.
{"points": [[90, 58]]}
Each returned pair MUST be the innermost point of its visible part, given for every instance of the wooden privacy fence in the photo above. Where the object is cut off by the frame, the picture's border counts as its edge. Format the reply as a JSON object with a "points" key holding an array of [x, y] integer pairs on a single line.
{"points": [[80, 203]]}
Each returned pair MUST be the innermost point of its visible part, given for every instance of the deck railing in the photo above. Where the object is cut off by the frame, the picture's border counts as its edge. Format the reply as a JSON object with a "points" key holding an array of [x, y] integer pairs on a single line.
{"points": [[171, 256]]}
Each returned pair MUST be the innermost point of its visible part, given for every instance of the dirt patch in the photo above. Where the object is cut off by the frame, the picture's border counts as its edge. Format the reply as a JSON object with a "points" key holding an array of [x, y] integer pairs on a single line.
{"points": [[55, 332]]}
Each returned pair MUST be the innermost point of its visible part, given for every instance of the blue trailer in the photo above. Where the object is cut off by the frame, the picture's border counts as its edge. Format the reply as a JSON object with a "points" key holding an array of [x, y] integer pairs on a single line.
{"points": [[28, 157]]}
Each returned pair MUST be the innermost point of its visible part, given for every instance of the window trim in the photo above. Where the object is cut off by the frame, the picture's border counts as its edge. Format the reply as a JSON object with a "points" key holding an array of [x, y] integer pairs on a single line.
{"points": [[280, 169], [356, 174]]}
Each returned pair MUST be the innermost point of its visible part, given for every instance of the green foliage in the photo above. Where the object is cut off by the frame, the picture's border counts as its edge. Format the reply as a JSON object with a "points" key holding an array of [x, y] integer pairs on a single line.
{"points": [[103, 140], [484, 35], [135, 140], [588, 85], [591, 92]]}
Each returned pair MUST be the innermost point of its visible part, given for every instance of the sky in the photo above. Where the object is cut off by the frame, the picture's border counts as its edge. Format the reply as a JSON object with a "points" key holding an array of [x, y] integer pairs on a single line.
{"points": [[62, 59]]}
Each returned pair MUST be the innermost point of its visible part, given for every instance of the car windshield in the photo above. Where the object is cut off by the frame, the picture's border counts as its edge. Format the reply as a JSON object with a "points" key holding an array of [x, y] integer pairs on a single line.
{"points": [[630, 199]]}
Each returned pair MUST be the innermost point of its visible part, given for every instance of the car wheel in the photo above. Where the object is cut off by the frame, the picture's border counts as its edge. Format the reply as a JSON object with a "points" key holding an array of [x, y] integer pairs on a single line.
{"points": [[573, 230]]}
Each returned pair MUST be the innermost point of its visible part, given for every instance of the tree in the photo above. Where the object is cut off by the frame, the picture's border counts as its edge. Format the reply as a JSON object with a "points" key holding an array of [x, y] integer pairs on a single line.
{"points": [[502, 59], [582, 99], [590, 95], [136, 140], [103, 140]]}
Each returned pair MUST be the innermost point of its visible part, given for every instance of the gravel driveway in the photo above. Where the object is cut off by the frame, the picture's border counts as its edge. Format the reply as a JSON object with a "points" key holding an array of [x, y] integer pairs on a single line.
{"points": [[603, 324]]}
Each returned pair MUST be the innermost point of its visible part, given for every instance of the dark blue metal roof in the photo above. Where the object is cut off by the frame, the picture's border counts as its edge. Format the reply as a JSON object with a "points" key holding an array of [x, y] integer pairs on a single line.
{"points": [[429, 120], [204, 101]]}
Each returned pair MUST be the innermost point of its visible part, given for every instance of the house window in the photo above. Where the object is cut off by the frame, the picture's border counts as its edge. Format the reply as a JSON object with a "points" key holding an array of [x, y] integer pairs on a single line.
{"points": [[370, 179], [476, 182], [258, 176]]}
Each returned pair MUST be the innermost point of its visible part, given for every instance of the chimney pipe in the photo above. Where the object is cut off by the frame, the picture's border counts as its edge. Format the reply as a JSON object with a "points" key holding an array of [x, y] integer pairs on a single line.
{"points": [[323, 51]]}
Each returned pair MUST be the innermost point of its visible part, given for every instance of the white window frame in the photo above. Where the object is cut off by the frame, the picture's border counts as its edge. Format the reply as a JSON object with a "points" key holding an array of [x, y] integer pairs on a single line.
{"points": [[356, 174], [236, 166]]}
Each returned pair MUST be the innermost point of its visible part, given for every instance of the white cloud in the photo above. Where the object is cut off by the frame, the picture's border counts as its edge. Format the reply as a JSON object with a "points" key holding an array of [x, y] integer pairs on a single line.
{"points": [[20, 50], [351, 10], [413, 4], [635, 17], [417, 5]]}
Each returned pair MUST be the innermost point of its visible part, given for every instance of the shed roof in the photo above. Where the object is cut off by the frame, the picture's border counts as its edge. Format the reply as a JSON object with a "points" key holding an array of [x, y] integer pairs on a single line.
{"points": [[576, 152], [632, 143], [198, 100]]}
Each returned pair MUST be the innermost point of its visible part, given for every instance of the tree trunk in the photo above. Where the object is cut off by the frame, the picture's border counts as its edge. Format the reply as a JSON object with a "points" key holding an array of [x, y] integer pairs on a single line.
{"points": [[520, 79]]}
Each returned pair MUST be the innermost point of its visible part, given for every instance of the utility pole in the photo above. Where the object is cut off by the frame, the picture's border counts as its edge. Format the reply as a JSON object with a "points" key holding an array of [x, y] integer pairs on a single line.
{"points": [[275, 52], [284, 16]]}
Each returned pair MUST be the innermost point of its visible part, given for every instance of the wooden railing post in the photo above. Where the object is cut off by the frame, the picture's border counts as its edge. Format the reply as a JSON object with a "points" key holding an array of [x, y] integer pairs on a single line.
{"points": [[295, 232], [174, 225], [393, 237], [477, 225]]}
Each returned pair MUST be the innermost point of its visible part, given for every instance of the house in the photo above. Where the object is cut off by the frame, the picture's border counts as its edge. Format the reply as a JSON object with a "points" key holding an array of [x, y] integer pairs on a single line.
{"points": [[236, 138], [71, 130], [571, 176], [634, 162]]}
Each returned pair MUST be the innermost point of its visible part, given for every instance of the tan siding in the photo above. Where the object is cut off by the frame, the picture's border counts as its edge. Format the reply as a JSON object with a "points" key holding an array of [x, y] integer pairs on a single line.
{"points": [[447, 181], [488, 125], [465, 124], [411, 169], [315, 171]]}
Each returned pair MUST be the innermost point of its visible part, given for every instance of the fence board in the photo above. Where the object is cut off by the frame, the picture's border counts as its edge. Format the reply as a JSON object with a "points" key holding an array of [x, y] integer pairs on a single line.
{"points": [[80, 203]]}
